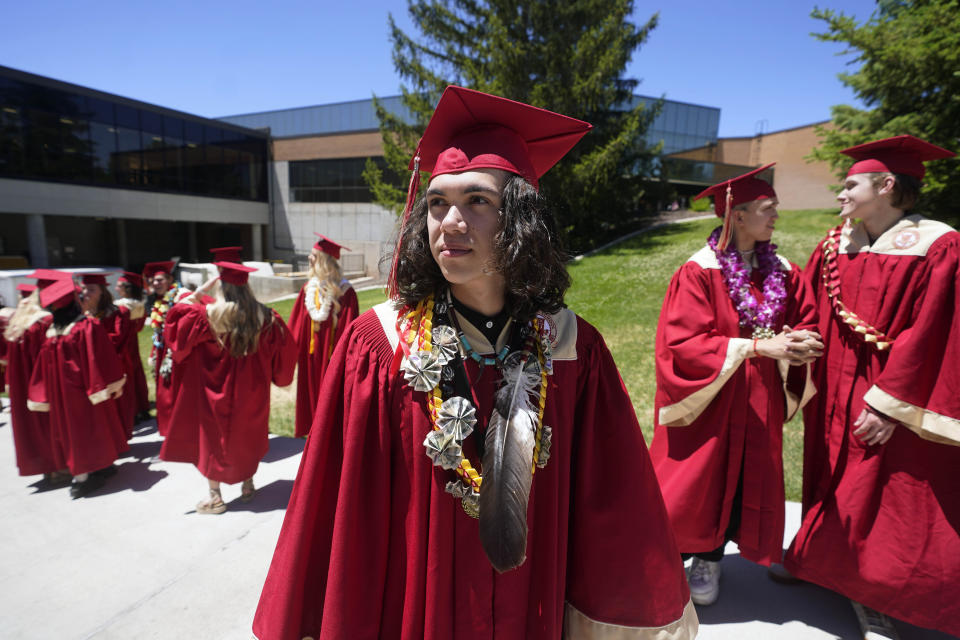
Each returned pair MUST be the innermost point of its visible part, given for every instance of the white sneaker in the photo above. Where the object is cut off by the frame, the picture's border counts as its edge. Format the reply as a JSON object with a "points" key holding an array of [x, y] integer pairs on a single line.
{"points": [[873, 624], [704, 581]]}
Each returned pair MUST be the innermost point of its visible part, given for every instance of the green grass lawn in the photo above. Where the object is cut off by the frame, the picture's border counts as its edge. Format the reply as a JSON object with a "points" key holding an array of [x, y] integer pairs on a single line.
{"points": [[620, 291]]}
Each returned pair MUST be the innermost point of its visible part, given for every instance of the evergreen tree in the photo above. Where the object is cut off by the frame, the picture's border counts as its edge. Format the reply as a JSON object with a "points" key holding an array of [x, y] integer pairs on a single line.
{"points": [[909, 56], [568, 57]]}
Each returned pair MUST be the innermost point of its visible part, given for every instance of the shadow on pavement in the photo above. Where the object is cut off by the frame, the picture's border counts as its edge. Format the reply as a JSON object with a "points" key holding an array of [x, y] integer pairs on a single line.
{"points": [[747, 594], [143, 450], [283, 447], [269, 497], [133, 476]]}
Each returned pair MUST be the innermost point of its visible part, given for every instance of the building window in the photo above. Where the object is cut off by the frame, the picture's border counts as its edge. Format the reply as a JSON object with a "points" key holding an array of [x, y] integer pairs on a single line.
{"points": [[62, 136], [333, 180]]}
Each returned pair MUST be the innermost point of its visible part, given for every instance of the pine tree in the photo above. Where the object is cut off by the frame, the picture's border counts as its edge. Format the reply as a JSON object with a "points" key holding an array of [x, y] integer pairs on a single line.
{"points": [[568, 57], [909, 56]]}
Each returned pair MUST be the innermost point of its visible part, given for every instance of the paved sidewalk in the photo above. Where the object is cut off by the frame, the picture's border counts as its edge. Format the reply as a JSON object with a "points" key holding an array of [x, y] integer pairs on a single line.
{"points": [[134, 560]]}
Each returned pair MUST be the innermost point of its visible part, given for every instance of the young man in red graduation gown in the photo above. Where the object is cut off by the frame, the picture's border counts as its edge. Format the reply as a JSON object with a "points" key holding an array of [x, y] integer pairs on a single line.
{"points": [[881, 503], [75, 380], [327, 304], [225, 356], [96, 302], [735, 317], [164, 292], [129, 290], [22, 338], [562, 530]]}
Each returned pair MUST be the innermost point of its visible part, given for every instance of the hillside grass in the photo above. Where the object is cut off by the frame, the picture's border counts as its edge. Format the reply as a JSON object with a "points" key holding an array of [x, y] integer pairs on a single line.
{"points": [[620, 291]]}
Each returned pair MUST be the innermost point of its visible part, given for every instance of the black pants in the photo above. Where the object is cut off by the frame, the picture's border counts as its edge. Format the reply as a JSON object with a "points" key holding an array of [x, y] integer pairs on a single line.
{"points": [[733, 527]]}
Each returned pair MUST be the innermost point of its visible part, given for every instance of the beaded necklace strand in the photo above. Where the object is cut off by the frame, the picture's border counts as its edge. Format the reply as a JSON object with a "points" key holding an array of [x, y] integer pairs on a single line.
{"points": [[417, 336]]}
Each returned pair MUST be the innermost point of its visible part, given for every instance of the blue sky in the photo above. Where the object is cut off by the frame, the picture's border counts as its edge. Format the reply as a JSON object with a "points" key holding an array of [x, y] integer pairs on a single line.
{"points": [[755, 60]]}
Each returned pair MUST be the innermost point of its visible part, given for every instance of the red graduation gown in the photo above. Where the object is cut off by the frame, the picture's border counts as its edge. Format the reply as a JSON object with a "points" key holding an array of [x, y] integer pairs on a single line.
{"points": [[5, 314], [373, 547], [322, 338], [718, 411], [31, 430], [119, 328], [76, 374], [881, 524], [224, 430], [163, 388], [132, 357]]}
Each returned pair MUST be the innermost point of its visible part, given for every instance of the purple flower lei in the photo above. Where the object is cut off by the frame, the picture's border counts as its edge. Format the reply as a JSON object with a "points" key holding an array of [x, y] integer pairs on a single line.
{"points": [[760, 317]]}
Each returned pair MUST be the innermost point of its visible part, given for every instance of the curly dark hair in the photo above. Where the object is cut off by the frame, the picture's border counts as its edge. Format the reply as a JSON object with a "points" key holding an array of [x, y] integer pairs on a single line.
{"points": [[527, 251]]}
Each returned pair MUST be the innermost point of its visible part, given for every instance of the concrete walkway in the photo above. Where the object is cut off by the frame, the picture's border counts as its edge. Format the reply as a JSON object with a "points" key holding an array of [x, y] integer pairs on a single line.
{"points": [[134, 560]]}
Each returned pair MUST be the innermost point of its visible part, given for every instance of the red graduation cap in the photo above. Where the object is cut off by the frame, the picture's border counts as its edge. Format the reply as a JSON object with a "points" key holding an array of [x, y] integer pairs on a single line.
{"points": [[328, 246], [94, 278], [131, 278], [234, 273], [475, 130], [901, 154], [152, 268], [58, 293], [227, 254], [736, 191], [49, 276], [26, 289]]}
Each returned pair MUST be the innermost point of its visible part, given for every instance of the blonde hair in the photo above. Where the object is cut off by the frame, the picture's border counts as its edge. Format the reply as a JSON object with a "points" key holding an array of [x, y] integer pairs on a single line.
{"points": [[236, 318], [28, 311], [326, 269]]}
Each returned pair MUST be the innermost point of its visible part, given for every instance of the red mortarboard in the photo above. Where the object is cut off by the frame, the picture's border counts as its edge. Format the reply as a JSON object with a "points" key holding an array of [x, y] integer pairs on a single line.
{"points": [[901, 154], [152, 268], [26, 289], [227, 254], [736, 191], [234, 273], [58, 293], [328, 246], [474, 130], [49, 276], [133, 278], [94, 278]]}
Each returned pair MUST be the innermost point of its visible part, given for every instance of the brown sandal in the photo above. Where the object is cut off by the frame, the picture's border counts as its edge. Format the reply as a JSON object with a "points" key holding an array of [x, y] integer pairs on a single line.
{"points": [[247, 491], [212, 505]]}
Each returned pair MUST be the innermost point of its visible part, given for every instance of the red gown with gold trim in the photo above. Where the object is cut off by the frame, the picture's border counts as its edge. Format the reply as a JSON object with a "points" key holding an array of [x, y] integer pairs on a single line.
{"points": [[719, 411], [881, 524], [372, 546], [75, 377]]}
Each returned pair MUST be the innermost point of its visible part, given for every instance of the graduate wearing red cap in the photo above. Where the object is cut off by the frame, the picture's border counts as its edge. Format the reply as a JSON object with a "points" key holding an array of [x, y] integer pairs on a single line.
{"points": [[881, 510], [75, 381], [129, 290], [164, 292], [227, 254], [225, 355], [725, 386], [97, 303], [23, 333], [327, 304], [419, 511]]}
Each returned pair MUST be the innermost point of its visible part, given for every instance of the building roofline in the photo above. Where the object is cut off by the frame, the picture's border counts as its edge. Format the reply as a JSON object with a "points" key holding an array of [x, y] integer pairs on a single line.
{"points": [[364, 100], [53, 83], [768, 133]]}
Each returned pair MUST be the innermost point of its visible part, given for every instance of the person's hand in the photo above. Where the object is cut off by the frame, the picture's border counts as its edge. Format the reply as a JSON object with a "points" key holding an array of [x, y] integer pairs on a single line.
{"points": [[806, 346], [873, 428]]}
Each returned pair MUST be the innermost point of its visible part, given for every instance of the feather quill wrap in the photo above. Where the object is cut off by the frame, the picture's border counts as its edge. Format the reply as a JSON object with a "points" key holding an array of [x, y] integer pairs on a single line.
{"points": [[507, 460]]}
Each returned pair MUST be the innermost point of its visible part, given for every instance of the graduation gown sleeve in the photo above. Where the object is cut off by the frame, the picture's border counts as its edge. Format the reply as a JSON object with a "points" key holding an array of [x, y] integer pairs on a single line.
{"points": [[332, 551], [919, 385], [620, 538], [694, 358]]}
